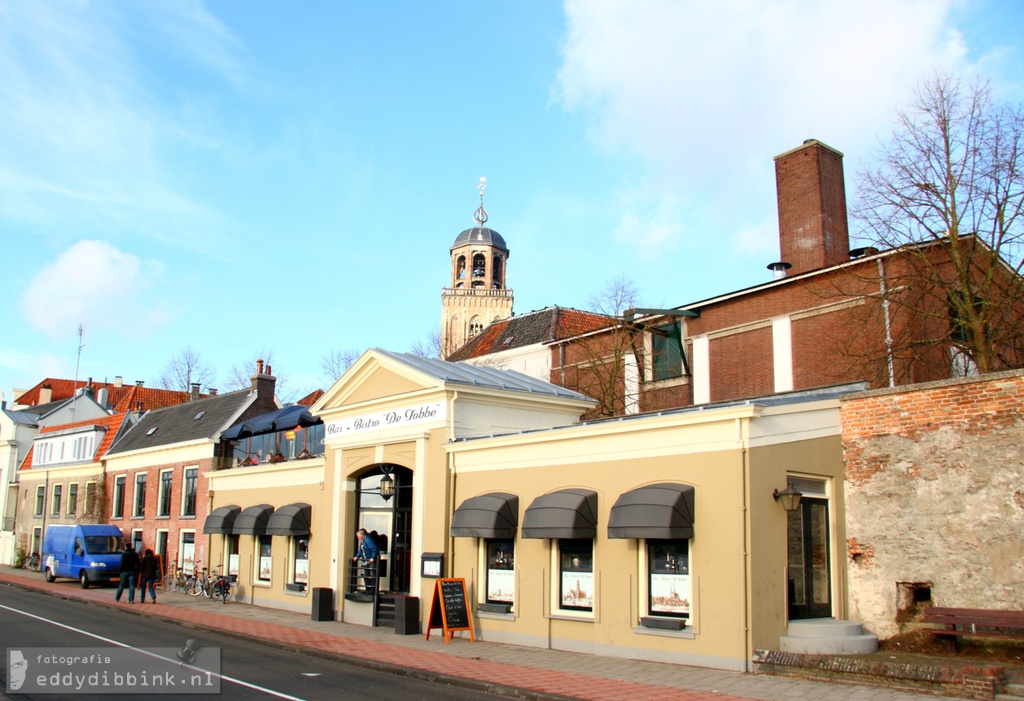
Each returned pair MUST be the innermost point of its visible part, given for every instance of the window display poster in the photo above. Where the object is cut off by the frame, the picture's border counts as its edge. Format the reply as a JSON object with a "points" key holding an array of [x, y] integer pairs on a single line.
{"points": [[578, 589], [233, 564], [670, 593], [188, 557], [302, 571], [265, 568], [500, 586]]}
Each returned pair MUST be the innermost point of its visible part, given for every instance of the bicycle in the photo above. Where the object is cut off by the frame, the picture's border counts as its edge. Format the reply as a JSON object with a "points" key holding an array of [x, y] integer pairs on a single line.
{"points": [[174, 580], [31, 562], [222, 588], [202, 585]]}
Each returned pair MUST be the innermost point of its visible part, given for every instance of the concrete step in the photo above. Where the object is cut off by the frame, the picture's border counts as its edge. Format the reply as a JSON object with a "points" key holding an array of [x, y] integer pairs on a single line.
{"points": [[849, 645], [1011, 692], [824, 628]]}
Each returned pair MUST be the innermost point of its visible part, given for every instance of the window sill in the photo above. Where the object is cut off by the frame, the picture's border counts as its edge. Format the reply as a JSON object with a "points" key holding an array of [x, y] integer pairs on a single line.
{"points": [[494, 608], [163, 517], [587, 617], [685, 634], [495, 616], [295, 589], [667, 382], [264, 585]]}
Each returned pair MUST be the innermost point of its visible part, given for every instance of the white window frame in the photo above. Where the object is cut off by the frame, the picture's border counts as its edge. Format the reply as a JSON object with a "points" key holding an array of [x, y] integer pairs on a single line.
{"points": [[556, 581], [67, 508], [169, 484], [56, 494], [257, 571], [184, 490], [136, 512]]}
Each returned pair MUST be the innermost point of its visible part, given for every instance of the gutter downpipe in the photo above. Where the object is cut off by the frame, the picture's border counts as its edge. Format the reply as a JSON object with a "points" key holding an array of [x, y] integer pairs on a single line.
{"points": [[884, 291], [744, 437], [450, 567]]}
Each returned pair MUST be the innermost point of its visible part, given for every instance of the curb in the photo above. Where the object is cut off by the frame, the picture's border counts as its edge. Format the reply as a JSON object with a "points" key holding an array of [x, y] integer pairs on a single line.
{"points": [[363, 662]]}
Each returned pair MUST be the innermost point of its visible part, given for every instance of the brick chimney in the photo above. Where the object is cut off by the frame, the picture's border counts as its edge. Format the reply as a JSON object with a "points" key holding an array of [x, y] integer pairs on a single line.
{"points": [[194, 394], [813, 230], [263, 382]]}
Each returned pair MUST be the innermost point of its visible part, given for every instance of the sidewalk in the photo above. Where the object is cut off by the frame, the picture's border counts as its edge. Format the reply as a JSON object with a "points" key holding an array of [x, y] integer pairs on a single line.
{"points": [[507, 669]]}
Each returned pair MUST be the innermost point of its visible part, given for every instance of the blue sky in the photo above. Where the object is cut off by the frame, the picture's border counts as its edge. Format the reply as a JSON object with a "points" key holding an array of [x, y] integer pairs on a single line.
{"points": [[261, 177]]}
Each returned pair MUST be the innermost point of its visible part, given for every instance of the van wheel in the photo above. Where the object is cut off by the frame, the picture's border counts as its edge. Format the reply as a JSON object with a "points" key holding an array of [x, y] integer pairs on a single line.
{"points": [[84, 579], [49, 575]]}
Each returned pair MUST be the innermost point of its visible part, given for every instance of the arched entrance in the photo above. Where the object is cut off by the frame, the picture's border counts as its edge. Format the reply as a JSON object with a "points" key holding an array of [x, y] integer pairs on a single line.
{"points": [[391, 518]]}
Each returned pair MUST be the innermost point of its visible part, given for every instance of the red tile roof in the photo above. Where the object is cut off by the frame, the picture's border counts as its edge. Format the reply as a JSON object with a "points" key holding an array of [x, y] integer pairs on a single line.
{"points": [[123, 398], [112, 423], [311, 398], [543, 326]]}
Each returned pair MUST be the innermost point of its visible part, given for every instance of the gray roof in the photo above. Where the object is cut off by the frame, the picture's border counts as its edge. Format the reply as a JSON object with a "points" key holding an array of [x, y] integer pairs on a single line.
{"points": [[22, 417], [480, 235], [196, 420], [491, 378]]}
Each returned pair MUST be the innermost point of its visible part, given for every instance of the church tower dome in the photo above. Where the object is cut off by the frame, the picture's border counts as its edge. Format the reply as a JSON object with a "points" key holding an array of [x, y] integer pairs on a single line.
{"points": [[477, 294]]}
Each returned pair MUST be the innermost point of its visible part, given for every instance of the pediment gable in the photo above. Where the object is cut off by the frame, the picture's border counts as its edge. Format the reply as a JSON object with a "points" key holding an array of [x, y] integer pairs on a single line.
{"points": [[374, 376]]}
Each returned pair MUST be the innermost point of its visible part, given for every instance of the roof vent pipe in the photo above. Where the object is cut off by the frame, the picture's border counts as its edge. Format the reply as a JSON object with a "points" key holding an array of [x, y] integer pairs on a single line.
{"points": [[779, 269]]}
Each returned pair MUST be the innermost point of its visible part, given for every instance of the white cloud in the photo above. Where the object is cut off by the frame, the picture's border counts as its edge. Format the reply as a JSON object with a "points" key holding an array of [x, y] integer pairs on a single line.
{"points": [[705, 94], [89, 132], [95, 284]]}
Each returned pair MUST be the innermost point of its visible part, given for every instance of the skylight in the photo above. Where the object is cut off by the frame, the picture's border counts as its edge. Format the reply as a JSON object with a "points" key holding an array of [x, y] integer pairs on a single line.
{"points": [[151, 431], [199, 415]]}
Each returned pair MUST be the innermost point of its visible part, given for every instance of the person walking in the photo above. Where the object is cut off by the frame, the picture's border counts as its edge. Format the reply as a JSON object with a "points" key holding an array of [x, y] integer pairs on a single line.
{"points": [[149, 570], [366, 555], [129, 572]]}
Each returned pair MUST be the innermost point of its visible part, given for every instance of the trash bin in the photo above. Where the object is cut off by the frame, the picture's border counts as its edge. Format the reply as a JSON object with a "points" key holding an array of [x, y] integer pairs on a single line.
{"points": [[323, 604], [407, 615]]}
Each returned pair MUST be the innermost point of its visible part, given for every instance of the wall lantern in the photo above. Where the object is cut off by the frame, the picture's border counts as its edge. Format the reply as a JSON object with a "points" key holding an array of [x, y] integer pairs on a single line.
{"points": [[387, 485], [789, 497]]}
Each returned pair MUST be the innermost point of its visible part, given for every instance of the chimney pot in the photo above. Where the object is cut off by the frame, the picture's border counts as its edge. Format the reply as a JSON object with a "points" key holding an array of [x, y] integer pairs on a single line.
{"points": [[138, 383], [212, 391], [118, 381], [779, 269], [259, 367]]}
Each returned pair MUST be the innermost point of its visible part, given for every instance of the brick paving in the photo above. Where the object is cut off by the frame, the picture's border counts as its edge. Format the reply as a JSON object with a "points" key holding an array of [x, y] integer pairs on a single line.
{"points": [[508, 669]]}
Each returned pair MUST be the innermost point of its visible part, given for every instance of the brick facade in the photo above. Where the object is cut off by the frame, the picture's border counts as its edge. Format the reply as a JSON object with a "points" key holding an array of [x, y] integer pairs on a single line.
{"points": [[934, 499]]}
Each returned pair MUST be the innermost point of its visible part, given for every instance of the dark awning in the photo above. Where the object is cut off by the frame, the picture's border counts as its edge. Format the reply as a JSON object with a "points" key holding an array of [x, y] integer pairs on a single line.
{"points": [[494, 515], [253, 520], [569, 513], [221, 520], [291, 520], [662, 511], [278, 420]]}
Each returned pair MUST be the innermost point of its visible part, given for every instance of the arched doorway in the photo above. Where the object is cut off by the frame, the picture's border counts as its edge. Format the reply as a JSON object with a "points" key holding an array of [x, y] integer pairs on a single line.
{"points": [[391, 518]]}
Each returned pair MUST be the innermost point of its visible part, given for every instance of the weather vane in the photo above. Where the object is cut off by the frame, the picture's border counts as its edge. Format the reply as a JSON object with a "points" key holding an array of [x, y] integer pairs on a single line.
{"points": [[480, 215]]}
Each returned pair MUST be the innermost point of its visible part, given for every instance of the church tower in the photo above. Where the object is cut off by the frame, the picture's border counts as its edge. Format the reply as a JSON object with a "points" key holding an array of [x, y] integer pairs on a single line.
{"points": [[477, 295]]}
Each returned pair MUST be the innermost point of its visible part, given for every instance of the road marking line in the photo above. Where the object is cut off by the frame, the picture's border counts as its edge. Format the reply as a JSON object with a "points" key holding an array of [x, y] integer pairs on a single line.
{"points": [[117, 643]]}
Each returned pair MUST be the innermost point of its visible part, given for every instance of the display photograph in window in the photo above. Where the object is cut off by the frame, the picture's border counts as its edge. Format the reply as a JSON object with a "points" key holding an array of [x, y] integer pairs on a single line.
{"points": [[301, 572], [265, 558], [500, 572], [576, 566], [669, 577]]}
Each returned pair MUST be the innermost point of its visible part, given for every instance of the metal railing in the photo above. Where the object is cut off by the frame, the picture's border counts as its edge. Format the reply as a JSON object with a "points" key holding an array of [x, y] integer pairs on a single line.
{"points": [[364, 583]]}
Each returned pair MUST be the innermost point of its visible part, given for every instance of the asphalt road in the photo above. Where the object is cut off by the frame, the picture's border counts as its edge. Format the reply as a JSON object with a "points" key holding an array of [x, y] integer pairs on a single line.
{"points": [[248, 669]]}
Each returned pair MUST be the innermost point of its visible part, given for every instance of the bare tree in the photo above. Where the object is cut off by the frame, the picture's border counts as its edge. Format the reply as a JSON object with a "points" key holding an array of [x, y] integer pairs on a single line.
{"points": [[430, 347], [241, 375], [949, 190], [604, 363], [185, 368], [334, 364]]}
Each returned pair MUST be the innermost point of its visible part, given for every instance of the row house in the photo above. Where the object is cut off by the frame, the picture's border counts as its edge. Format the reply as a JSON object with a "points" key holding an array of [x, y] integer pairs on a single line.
{"points": [[156, 476]]}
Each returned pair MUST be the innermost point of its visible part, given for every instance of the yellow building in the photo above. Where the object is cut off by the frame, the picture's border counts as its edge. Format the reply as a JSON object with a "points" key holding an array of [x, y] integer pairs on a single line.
{"points": [[649, 536]]}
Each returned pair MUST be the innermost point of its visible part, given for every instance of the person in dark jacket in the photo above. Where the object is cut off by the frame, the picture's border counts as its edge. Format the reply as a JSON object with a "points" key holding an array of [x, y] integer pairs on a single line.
{"points": [[149, 570], [129, 572], [366, 556]]}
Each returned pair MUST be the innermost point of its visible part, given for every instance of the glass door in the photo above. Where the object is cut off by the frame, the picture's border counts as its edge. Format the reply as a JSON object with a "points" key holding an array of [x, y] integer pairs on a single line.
{"points": [[810, 574]]}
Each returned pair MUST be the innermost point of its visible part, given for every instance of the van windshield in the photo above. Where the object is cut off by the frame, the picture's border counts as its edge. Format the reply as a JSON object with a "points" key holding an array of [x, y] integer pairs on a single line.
{"points": [[103, 544]]}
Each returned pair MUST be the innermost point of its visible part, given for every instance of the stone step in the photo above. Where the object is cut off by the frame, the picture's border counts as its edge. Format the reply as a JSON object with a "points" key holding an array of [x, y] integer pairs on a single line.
{"points": [[1011, 692], [848, 645], [824, 628]]}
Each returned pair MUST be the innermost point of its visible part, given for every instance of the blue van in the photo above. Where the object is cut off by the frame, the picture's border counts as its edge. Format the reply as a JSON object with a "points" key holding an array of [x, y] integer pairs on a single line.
{"points": [[88, 552]]}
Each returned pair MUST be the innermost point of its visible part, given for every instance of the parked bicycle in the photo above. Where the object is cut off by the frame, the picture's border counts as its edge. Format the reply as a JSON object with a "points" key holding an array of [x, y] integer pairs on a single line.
{"points": [[222, 588], [203, 583], [175, 579], [31, 562]]}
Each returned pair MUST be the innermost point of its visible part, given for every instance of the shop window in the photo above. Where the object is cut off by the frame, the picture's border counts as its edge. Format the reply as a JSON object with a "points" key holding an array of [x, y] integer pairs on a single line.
{"points": [[118, 511], [666, 352], [263, 557], [231, 548], [668, 578], [55, 503], [40, 499], [576, 574], [188, 552], [500, 585], [140, 495], [166, 484], [188, 499], [300, 563], [72, 499]]}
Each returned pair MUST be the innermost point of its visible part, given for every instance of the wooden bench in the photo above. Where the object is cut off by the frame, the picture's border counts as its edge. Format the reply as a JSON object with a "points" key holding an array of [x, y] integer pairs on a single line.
{"points": [[980, 623]]}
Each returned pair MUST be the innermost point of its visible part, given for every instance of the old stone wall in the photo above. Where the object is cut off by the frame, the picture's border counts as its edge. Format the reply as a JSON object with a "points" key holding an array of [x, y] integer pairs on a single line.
{"points": [[934, 498]]}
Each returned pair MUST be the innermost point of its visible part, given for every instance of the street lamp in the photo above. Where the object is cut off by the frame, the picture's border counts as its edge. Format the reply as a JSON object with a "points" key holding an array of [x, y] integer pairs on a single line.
{"points": [[789, 497]]}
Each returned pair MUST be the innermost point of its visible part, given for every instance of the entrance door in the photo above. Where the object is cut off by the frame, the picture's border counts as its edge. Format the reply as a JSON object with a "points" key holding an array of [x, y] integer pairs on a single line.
{"points": [[389, 518], [810, 575]]}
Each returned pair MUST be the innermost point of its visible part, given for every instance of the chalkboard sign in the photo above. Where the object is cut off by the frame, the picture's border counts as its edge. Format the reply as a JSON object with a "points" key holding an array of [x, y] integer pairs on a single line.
{"points": [[449, 610]]}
